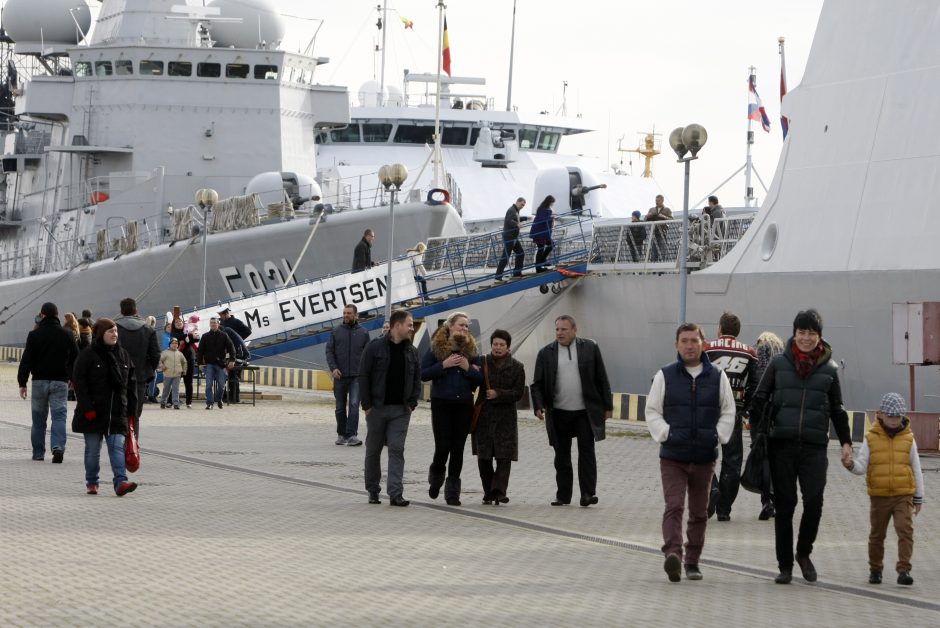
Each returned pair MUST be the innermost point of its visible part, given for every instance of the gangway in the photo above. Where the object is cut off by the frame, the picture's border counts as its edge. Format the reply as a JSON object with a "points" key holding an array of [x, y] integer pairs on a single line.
{"points": [[459, 273]]}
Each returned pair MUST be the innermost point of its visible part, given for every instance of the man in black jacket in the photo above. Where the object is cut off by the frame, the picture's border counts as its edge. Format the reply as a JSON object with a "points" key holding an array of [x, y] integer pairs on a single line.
{"points": [[233, 390], [511, 242], [362, 256], [343, 355], [389, 381], [49, 356], [571, 393], [140, 341], [232, 322], [216, 353]]}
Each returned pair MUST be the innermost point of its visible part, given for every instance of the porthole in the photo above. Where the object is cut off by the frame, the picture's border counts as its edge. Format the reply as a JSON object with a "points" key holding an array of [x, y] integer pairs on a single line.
{"points": [[769, 245]]}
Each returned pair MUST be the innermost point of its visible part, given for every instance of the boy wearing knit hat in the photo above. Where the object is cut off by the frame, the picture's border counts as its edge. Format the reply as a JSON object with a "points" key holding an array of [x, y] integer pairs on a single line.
{"points": [[895, 484]]}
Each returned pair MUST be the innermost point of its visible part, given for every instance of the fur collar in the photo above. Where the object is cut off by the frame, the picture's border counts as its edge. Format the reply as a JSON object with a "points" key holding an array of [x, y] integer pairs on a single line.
{"points": [[443, 344]]}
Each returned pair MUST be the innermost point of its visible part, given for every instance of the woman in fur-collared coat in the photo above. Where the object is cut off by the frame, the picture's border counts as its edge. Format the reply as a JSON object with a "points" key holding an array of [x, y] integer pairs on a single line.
{"points": [[453, 366], [497, 431]]}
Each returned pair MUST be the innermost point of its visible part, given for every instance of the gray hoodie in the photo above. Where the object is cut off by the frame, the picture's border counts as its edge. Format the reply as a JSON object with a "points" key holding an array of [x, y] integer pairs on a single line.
{"points": [[140, 341]]}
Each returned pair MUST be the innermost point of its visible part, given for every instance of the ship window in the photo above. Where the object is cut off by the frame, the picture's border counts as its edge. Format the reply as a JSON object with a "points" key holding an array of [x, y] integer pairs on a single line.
{"points": [[123, 67], [349, 134], [414, 134], [209, 70], [266, 72], [179, 68], [455, 136], [549, 141], [527, 138], [376, 132], [474, 134], [83, 68], [103, 68], [236, 70], [151, 68]]}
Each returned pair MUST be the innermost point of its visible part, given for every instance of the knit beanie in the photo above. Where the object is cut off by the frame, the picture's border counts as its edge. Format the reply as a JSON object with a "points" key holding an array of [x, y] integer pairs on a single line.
{"points": [[102, 325]]}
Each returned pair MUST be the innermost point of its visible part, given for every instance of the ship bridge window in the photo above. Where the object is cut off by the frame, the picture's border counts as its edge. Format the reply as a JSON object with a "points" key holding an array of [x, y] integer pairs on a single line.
{"points": [[209, 70], [123, 67], [266, 72], [376, 132], [474, 134], [414, 134], [237, 70], [349, 134], [548, 141], [179, 68], [527, 138], [455, 136], [103, 68], [83, 68], [151, 68]]}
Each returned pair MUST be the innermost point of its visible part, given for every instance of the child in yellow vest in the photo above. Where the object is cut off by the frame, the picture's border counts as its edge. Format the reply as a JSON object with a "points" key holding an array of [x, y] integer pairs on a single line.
{"points": [[895, 484]]}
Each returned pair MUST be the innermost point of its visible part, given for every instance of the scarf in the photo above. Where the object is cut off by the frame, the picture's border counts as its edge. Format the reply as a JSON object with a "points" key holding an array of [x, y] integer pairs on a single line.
{"points": [[806, 362], [110, 357]]}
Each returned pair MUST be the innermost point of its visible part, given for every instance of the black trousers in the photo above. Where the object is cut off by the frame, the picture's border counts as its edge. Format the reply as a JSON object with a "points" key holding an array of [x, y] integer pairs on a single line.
{"points": [[729, 479], [541, 254], [188, 377], [511, 246], [790, 464], [570, 425], [450, 421], [495, 482]]}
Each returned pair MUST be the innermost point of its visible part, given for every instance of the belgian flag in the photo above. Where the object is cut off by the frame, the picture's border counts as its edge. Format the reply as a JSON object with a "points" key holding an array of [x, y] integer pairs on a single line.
{"points": [[446, 50]]}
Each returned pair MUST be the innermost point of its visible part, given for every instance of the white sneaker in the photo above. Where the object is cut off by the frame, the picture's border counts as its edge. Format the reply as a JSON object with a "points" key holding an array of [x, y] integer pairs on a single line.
{"points": [[340, 440]]}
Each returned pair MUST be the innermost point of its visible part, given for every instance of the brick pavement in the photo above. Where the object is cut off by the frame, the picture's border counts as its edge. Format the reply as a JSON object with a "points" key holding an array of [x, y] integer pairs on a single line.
{"points": [[251, 516]]}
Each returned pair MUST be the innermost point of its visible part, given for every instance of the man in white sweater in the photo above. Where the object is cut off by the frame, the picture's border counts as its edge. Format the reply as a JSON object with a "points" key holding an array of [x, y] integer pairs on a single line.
{"points": [[689, 410]]}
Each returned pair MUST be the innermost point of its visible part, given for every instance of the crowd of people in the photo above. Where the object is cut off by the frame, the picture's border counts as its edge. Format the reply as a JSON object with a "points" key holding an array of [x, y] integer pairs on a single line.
{"points": [[110, 368], [698, 405]]}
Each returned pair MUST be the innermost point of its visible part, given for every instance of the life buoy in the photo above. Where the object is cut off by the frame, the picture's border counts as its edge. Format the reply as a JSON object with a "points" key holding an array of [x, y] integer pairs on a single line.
{"points": [[99, 197], [438, 201]]}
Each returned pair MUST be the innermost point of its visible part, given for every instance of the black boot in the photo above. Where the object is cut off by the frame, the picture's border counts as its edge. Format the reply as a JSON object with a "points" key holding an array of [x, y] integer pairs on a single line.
{"points": [[452, 491], [436, 480]]}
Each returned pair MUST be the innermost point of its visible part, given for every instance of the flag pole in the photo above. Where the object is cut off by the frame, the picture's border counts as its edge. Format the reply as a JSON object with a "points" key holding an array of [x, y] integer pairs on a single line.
{"points": [[748, 166], [512, 49], [438, 172], [784, 121], [381, 99]]}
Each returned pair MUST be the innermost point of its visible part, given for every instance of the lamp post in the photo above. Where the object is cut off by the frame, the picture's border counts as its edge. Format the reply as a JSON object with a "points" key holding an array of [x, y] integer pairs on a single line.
{"points": [[689, 139], [205, 198], [391, 178]]}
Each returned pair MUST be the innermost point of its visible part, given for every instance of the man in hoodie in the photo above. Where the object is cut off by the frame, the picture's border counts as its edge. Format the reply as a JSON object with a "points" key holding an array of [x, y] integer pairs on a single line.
{"points": [[140, 341], [49, 355], [343, 354]]}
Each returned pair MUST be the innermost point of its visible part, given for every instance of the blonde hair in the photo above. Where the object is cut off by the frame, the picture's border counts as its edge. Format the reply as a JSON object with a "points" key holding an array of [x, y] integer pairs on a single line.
{"points": [[420, 247], [70, 322], [152, 321], [453, 318], [771, 339]]}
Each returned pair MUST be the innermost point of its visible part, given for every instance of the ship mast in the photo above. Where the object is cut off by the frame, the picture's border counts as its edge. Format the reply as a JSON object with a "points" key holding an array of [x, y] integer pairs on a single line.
{"points": [[512, 49], [384, 22], [649, 147], [438, 156], [748, 165]]}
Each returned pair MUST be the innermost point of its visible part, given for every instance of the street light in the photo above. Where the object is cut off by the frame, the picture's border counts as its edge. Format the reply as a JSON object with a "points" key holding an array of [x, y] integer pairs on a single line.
{"points": [[689, 139], [391, 177], [205, 198]]}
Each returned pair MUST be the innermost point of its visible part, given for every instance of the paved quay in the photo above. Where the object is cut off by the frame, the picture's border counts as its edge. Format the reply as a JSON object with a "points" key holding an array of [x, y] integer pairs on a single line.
{"points": [[251, 516]]}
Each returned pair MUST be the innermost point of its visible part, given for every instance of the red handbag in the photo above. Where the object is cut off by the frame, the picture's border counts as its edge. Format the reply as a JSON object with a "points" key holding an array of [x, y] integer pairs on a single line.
{"points": [[131, 448]]}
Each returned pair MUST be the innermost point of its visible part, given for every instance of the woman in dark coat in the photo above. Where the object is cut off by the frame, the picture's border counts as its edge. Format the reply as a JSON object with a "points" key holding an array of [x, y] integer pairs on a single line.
{"points": [[188, 341], [497, 433], [541, 232], [453, 368], [106, 388]]}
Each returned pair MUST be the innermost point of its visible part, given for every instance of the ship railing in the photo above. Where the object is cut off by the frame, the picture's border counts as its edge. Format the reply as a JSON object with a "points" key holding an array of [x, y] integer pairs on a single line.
{"points": [[622, 245]]}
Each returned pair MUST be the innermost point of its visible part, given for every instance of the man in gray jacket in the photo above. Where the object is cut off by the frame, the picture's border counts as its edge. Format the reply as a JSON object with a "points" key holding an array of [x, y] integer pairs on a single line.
{"points": [[140, 341], [571, 393], [389, 381], [343, 354]]}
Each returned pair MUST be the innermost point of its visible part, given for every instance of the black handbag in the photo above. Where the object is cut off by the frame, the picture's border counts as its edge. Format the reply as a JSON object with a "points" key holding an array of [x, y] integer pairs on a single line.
{"points": [[756, 475]]}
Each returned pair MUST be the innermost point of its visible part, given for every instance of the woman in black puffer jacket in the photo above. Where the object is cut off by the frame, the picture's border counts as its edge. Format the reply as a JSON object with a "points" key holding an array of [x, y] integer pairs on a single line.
{"points": [[106, 390]]}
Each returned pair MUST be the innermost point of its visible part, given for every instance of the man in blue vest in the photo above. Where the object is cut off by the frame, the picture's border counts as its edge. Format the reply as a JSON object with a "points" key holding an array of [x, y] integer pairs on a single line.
{"points": [[689, 410]]}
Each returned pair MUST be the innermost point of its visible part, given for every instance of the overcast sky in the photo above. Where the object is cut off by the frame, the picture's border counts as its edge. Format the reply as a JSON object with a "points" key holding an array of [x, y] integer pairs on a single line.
{"points": [[630, 66]]}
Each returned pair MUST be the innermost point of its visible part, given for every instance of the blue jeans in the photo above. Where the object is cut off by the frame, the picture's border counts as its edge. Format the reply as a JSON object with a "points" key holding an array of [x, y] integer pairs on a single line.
{"points": [[48, 395], [93, 457], [347, 423], [215, 383]]}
